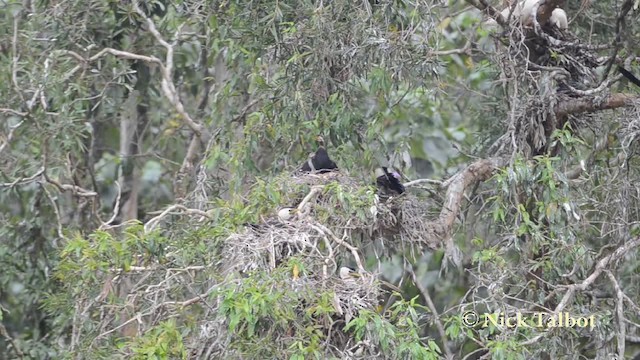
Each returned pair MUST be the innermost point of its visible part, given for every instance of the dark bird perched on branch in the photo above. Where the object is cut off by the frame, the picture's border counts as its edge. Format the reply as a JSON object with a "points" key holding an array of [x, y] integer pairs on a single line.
{"points": [[389, 181], [319, 161], [626, 73]]}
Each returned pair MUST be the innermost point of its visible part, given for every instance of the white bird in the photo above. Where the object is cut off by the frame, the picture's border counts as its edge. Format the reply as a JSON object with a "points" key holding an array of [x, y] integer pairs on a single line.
{"points": [[559, 19], [285, 214], [522, 12], [348, 273]]}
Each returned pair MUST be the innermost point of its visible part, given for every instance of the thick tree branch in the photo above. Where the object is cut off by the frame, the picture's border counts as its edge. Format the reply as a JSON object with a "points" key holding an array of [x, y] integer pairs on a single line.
{"points": [[576, 106], [483, 6], [457, 185]]}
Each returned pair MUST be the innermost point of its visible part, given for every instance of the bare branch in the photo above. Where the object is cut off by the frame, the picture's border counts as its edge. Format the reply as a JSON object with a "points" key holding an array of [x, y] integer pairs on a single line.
{"points": [[600, 267], [425, 294], [151, 224], [483, 6], [115, 208], [458, 184], [5, 334], [421, 181], [576, 106], [165, 69], [591, 92], [15, 56], [354, 250], [619, 313], [26, 180], [14, 112], [168, 87], [466, 50], [54, 205], [76, 190], [9, 136], [302, 207]]}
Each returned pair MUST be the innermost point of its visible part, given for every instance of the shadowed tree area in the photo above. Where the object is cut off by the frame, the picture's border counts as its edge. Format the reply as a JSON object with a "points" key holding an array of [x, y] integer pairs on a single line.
{"points": [[153, 203]]}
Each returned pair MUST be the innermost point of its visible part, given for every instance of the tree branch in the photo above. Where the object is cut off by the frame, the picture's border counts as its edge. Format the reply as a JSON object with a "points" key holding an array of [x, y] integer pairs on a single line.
{"points": [[576, 106], [425, 294], [167, 85], [457, 185], [600, 267]]}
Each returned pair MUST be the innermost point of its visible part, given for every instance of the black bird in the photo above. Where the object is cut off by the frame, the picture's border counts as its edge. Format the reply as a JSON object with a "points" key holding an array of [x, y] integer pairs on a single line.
{"points": [[626, 73], [389, 181], [319, 161]]}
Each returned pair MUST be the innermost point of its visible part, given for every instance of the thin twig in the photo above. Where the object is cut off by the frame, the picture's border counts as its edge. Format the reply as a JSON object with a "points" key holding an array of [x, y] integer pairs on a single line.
{"points": [[151, 224], [425, 294], [5, 334], [54, 205], [115, 208]]}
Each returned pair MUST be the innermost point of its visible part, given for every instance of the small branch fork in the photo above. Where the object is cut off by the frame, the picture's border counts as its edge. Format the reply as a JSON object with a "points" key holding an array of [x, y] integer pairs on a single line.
{"points": [[602, 266], [202, 135], [168, 87], [166, 69], [171, 210], [41, 177]]}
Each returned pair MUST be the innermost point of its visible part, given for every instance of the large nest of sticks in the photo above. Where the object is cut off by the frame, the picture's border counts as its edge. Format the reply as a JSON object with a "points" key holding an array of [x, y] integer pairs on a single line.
{"points": [[546, 66], [337, 211], [336, 221]]}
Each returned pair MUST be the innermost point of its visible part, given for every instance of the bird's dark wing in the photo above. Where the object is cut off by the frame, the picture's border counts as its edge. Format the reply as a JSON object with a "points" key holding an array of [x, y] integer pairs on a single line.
{"points": [[629, 75], [382, 181], [390, 181], [396, 184], [321, 160]]}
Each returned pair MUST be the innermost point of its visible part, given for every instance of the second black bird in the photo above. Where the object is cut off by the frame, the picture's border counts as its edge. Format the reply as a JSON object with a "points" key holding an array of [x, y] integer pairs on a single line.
{"points": [[319, 161], [626, 73], [389, 181]]}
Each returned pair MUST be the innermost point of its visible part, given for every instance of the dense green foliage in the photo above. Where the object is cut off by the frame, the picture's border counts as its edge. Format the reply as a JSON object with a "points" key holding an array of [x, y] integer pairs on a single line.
{"points": [[142, 143]]}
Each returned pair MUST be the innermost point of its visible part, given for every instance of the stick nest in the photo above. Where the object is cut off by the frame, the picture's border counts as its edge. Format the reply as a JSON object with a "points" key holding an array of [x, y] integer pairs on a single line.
{"points": [[336, 222], [337, 215]]}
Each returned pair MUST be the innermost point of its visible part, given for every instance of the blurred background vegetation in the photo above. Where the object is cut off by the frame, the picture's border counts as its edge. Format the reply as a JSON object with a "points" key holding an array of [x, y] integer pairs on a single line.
{"points": [[212, 104]]}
